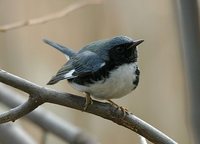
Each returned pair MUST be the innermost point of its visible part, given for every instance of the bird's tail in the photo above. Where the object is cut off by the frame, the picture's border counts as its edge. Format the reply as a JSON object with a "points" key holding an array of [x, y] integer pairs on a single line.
{"points": [[54, 80], [67, 51]]}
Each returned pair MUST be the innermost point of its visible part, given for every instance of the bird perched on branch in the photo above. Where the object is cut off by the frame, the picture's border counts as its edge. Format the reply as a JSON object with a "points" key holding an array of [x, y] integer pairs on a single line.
{"points": [[104, 69]]}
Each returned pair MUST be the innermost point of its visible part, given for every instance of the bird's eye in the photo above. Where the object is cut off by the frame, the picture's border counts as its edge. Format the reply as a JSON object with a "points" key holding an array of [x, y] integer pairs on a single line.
{"points": [[119, 49]]}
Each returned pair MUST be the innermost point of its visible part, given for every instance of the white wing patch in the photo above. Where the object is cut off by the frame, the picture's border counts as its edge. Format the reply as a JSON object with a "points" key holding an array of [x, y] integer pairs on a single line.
{"points": [[67, 57], [69, 74], [103, 64]]}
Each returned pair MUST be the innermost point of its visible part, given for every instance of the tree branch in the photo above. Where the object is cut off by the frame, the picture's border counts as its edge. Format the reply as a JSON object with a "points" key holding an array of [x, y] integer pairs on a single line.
{"points": [[50, 17], [39, 95], [48, 121]]}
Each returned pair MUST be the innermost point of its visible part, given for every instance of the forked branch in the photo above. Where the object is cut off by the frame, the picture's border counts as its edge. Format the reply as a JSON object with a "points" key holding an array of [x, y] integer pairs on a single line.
{"points": [[39, 95]]}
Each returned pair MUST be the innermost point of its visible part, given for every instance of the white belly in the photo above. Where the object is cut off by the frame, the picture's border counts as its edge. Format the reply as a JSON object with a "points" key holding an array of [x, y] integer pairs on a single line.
{"points": [[119, 84]]}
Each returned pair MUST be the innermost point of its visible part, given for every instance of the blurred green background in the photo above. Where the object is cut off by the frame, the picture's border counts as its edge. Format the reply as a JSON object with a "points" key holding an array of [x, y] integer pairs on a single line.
{"points": [[160, 98]]}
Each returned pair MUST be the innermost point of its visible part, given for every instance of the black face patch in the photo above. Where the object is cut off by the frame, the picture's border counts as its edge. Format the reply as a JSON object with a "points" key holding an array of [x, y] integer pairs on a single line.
{"points": [[123, 54]]}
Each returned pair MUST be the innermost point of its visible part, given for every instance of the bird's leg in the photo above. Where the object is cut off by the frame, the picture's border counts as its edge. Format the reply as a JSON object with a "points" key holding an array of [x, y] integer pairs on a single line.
{"points": [[88, 100], [113, 103], [124, 110]]}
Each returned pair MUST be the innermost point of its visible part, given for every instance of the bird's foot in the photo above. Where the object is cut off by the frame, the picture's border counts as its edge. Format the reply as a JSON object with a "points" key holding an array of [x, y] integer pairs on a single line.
{"points": [[124, 110], [88, 101]]}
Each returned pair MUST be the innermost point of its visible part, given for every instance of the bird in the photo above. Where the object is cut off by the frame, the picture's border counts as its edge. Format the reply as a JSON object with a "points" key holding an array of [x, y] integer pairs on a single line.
{"points": [[104, 69]]}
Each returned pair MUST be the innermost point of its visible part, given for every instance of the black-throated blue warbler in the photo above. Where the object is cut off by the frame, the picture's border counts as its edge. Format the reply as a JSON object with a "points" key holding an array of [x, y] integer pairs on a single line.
{"points": [[105, 69]]}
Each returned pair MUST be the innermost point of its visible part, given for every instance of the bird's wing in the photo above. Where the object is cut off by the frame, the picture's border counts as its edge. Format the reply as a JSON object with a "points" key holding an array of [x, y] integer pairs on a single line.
{"points": [[86, 63], [81, 65]]}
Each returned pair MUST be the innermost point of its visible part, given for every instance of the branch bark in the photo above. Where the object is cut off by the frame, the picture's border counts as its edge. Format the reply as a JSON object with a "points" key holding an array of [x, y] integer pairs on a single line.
{"points": [[47, 120], [40, 95], [49, 17]]}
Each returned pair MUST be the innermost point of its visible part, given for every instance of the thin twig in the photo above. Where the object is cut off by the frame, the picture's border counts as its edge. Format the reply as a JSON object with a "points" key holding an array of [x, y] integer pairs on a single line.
{"points": [[49, 17], [39, 95]]}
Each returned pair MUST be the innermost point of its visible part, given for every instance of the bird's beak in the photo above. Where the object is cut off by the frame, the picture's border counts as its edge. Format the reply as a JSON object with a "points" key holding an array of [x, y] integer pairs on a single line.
{"points": [[137, 42]]}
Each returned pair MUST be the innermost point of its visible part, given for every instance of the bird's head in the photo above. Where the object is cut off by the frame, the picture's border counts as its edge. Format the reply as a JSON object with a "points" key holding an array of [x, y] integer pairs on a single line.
{"points": [[123, 50], [120, 49]]}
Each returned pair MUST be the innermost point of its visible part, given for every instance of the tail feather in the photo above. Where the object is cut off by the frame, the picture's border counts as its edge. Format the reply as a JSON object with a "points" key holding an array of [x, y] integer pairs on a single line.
{"points": [[54, 80], [67, 51]]}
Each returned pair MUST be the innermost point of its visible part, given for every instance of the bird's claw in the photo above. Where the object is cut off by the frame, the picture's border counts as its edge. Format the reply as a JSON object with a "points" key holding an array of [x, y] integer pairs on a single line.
{"points": [[124, 110], [88, 101]]}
